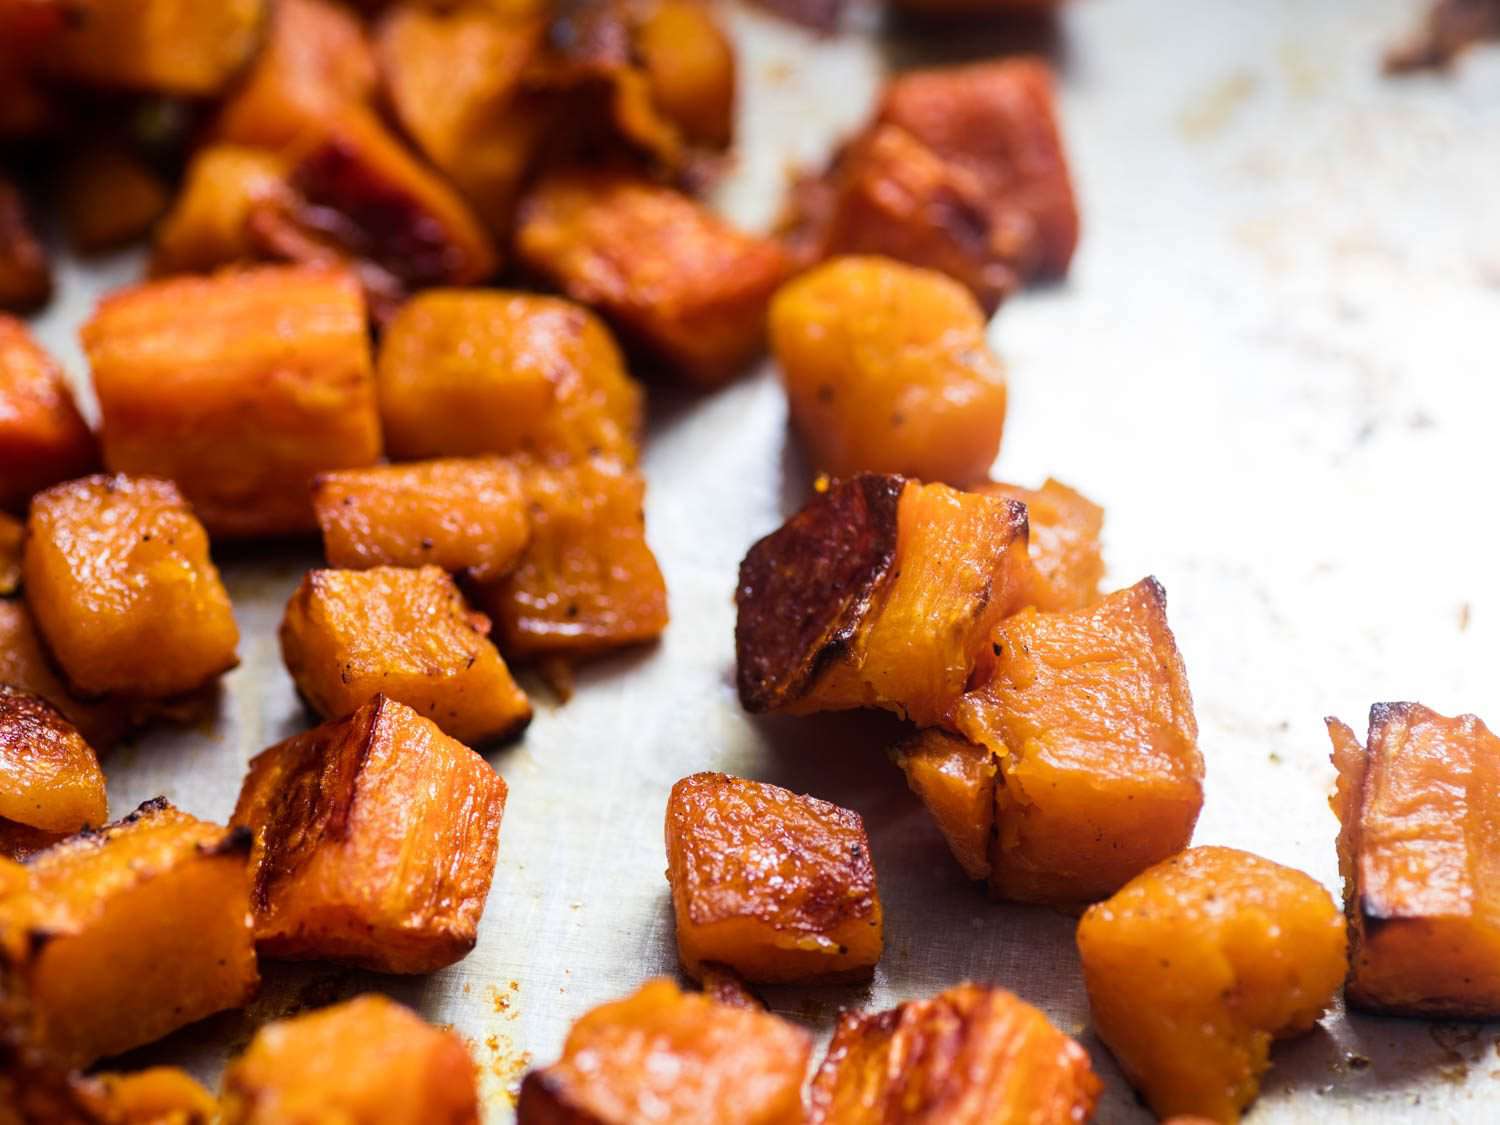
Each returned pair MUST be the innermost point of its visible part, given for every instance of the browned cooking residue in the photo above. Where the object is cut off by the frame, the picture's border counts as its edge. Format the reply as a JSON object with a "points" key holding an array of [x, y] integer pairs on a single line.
{"points": [[503, 1000]]}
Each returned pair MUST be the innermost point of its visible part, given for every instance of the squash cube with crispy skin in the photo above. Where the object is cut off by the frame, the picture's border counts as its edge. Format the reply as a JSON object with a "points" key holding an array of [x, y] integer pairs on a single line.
{"points": [[132, 932], [776, 886], [43, 438], [1091, 718], [208, 225], [406, 632], [365, 1060], [461, 514], [25, 272], [50, 779], [118, 575], [1065, 557], [664, 1055], [468, 372], [881, 592], [955, 780], [1415, 807], [267, 384], [25, 666], [1198, 963], [375, 841], [887, 370], [969, 1056], [587, 582], [671, 275]]}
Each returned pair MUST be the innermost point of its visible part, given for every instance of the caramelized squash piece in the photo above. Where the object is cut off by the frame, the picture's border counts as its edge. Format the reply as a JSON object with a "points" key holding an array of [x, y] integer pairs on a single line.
{"points": [[1198, 963], [208, 225], [468, 372], [348, 634], [159, 1095], [1067, 563], [118, 575], [887, 370], [49, 776], [43, 438], [461, 514], [132, 932], [664, 1055], [1091, 718], [12, 533], [25, 272], [689, 64], [109, 196], [955, 780], [969, 1056], [1416, 850], [267, 384], [880, 593], [670, 274], [587, 582], [24, 665], [723, 985], [375, 842], [365, 1060], [777, 886]]}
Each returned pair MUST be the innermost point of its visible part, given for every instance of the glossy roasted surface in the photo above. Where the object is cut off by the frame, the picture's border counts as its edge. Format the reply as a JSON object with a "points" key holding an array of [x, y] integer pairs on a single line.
{"points": [[43, 438], [49, 776]]}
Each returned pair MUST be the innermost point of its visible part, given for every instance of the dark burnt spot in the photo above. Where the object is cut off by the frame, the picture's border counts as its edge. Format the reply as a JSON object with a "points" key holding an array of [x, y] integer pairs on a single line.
{"points": [[147, 809]]}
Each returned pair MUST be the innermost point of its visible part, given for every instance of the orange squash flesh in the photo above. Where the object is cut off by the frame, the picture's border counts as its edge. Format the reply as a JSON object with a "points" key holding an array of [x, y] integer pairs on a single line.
{"points": [[25, 272], [375, 839], [43, 438], [689, 64], [464, 372], [1198, 963], [350, 634], [208, 224], [12, 537], [365, 1060], [159, 1095], [1091, 718], [1066, 560], [776, 886], [955, 780], [880, 593], [267, 384], [132, 932], [1416, 849], [118, 575], [49, 776], [25, 666], [887, 370], [663, 1055], [969, 1056]]}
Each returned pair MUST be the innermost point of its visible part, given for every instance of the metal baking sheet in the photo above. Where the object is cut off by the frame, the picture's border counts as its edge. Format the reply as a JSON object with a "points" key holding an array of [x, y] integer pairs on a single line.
{"points": [[1275, 364]]}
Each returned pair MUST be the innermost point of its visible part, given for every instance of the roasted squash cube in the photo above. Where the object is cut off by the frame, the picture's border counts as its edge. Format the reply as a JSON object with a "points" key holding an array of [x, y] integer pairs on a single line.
{"points": [[955, 780], [1067, 563], [25, 272], [43, 438], [461, 514], [108, 196], [671, 275], [12, 537], [24, 665], [159, 1095], [879, 593], [133, 932], [1090, 715], [969, 1056], [267, 384], [689, 63], [365, 1060], [1198, 963], [723, 985], [49, 776], [375, 842], [462, 373], [116, 568], [777, 886], [887, 370], [209, 224], [664, 1055], [1415, 850], [587, 582], [348, 634]]}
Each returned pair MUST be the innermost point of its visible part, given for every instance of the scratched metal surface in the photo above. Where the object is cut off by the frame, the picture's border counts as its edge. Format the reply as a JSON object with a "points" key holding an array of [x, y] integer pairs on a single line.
{"points": [[1275, 363]]}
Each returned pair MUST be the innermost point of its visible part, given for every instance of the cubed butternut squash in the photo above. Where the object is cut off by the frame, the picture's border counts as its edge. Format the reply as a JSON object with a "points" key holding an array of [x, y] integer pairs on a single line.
{"points": [[887, 370], [775, 885], [349, 634], [458, 513], [671, 275], [881, 592], [969, 1056], [25, 666], [159, 1095], [49, 776], [268, 383], [468, 372], [1091, 718], [723, 985], [1066, 559], [1416, 850], [587, 581], [12, 535], [955, 780], [118, 576], [108, 196], [132, 932], [25, 272], [365, 1060], [1198, 963], [664, 1055], [43, 438], [209, 223], [375, 838], [689, 64]]}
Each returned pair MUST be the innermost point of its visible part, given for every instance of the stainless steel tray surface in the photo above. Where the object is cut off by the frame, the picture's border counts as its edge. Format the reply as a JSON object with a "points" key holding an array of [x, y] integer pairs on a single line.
{"points": [[1276, 364]]}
